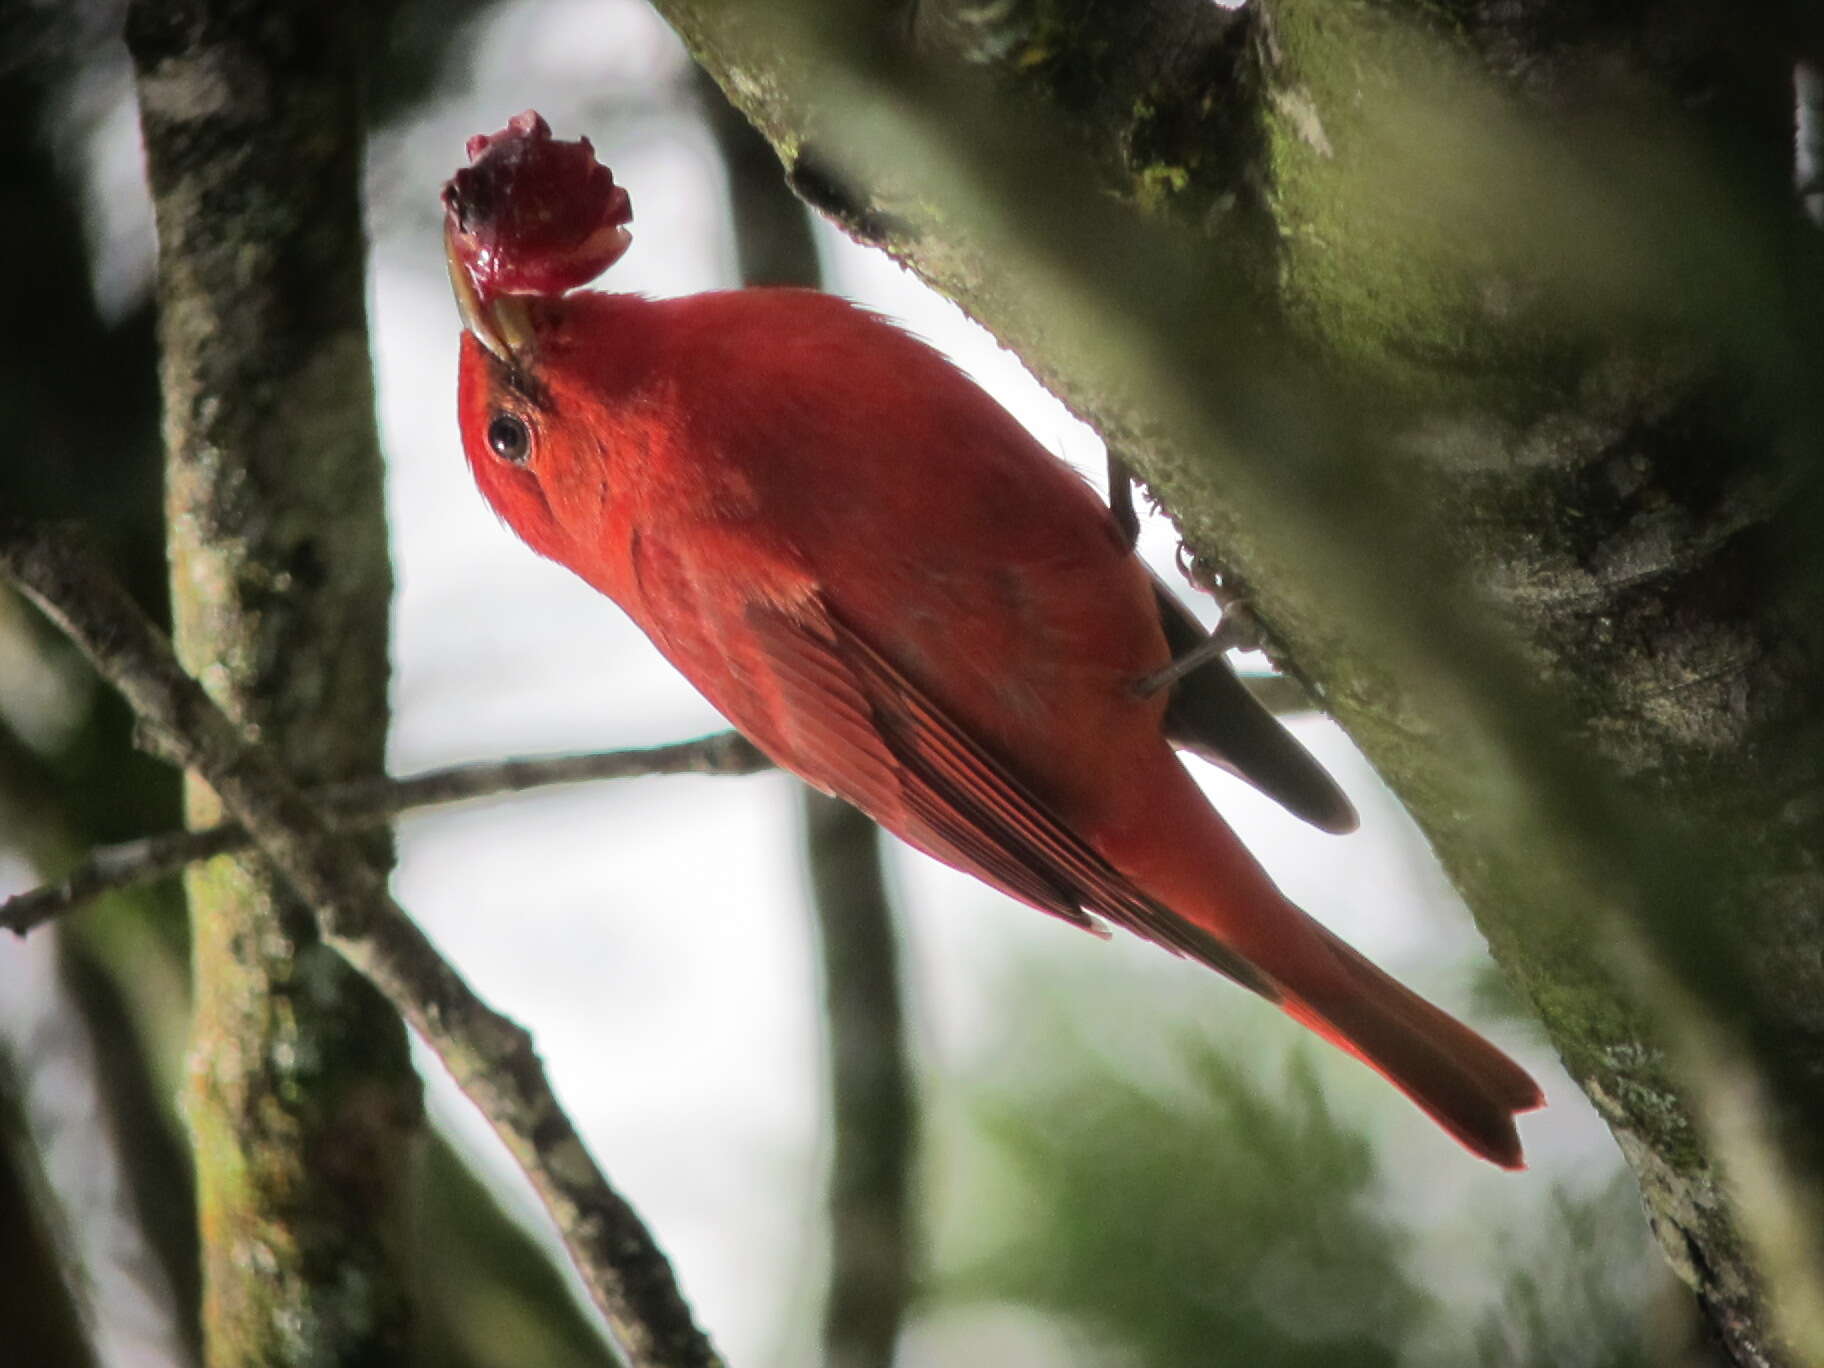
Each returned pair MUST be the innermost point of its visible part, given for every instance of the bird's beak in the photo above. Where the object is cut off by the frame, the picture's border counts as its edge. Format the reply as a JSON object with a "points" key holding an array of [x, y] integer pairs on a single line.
{"points": [[503, 327]]}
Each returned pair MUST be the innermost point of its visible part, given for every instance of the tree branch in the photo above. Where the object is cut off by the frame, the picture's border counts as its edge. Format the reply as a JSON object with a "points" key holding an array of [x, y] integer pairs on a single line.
{"points": [[490, 1057], [362, 803], [873, 1103]]}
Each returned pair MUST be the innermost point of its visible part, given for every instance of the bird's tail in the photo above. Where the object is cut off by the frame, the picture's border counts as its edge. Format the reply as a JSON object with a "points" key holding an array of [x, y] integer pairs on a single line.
{"points": [[1185, 858], [1457, 1078]]}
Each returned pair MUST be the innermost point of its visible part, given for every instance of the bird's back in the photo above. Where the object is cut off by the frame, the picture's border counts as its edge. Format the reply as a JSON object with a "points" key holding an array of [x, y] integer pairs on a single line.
{"points": [[925, 516]]}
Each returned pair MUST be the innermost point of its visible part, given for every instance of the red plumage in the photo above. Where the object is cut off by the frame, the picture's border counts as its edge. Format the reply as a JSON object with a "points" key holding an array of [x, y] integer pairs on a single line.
{"points": [[875, 573]]}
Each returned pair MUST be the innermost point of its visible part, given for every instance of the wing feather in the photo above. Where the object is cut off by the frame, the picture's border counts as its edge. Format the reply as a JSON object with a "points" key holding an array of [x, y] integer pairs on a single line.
{"points": [[953, 798]]}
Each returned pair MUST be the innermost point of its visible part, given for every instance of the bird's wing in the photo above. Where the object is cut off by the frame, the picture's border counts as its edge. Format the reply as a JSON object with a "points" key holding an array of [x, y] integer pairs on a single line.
{"points": [[850, 718], [1212, 715]]}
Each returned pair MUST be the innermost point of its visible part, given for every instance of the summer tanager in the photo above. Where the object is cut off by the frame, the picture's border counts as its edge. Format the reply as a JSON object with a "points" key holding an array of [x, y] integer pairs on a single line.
{"points": [[875, 573]]}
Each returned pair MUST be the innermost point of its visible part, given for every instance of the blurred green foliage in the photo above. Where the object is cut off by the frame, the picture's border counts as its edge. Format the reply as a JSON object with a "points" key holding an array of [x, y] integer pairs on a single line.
{"points": [[1225, 1222], [1580, 1291], [1217, 1211]]}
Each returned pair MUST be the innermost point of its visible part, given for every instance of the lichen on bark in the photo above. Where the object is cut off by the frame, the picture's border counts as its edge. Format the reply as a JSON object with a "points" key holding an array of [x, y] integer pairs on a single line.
{"points": [[302, 1103]]}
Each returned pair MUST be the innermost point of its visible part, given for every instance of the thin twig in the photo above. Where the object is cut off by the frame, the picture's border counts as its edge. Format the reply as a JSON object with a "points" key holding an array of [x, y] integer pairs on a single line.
{"points": [[490, 1057], [364, 803]]}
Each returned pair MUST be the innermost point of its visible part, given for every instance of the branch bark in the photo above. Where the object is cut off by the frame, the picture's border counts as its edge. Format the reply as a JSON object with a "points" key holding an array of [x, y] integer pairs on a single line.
{"points": [[491, 1058], [358, 804], [1479, 355]]}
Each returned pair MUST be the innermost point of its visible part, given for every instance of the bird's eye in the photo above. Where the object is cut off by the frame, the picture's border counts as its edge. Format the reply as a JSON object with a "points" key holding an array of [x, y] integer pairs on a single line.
{"points": [[509, 439]]}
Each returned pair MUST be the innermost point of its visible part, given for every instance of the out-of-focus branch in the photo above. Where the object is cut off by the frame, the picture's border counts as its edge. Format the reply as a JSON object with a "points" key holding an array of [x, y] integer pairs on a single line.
{"points": [[873, 1108], [491, 1058], [40, 824], [873, 1104], [44, 1319], [361, 803]]}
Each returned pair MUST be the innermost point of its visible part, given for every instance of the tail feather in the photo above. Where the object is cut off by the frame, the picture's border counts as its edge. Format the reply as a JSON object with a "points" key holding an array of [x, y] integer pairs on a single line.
{"points": [[1462, 1082], [1179, 853]]}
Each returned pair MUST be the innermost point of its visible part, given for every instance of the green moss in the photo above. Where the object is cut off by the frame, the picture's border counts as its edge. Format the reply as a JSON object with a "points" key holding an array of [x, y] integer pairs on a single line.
{"points": [[1380, 146], [1154, 185], [1048, 32]]}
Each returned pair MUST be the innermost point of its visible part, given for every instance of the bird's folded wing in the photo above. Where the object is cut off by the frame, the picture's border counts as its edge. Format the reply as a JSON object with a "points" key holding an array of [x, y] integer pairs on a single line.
{"points": [[860, 724]]}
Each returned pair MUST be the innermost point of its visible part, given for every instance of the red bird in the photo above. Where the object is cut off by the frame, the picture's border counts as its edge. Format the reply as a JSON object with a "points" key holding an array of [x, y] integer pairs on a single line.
{"points": [[875, 573]]}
